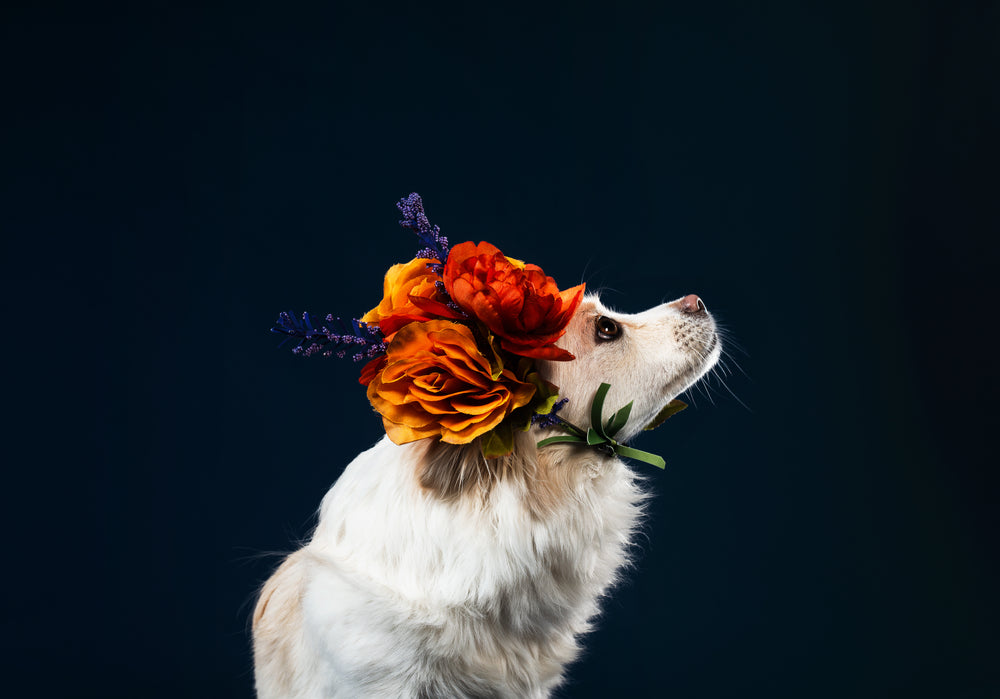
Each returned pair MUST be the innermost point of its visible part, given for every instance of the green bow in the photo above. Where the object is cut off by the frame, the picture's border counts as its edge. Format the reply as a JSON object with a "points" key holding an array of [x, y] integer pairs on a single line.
{"points": [[601, 434]]}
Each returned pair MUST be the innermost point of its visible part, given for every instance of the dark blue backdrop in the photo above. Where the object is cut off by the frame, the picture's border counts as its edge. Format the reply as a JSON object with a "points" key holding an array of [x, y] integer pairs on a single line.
{"points": [[822, 177]]}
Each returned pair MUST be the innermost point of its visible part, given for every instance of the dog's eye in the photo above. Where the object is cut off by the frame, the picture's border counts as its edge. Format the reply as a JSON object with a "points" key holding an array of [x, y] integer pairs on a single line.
{"points": [[607, 329]]}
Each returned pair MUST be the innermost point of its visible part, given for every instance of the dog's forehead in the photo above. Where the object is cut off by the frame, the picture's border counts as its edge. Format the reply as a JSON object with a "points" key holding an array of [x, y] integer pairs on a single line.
{"points": [[591, 306]]}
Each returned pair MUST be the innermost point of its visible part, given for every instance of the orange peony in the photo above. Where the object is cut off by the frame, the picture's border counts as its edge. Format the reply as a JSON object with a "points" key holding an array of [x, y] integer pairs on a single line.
{"points": [[517, 302], [436, 382], [404, 284]]}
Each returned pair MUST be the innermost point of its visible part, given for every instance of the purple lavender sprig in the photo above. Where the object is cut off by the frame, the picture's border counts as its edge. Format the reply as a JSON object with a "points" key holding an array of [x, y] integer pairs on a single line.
{"points": [[414, 218], [550, 419], [335, 337]]}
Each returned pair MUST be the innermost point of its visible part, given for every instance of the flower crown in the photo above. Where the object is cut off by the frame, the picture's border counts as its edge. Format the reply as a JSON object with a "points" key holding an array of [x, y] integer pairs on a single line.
{"points": [[451, 348]]}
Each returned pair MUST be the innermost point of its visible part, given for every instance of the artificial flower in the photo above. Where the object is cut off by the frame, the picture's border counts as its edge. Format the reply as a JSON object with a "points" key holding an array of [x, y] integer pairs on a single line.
{"points": [[437, 382], [404, 283], [372, 369], [516, 301]]}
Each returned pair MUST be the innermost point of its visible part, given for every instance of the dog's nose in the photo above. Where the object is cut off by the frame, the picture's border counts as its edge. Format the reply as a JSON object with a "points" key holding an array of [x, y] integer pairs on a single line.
{"points": [[691, 304]]}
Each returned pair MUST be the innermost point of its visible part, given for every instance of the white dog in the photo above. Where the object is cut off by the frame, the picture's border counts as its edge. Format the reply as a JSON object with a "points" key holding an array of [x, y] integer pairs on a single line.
{"points": [[434, 572]]}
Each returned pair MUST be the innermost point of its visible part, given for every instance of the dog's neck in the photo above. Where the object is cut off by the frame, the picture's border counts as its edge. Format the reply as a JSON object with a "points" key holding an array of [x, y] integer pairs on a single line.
{"points": [[547, 476]]}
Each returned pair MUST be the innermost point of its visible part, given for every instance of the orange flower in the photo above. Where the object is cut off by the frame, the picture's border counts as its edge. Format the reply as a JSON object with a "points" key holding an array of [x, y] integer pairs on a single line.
{"points": [[406, 286], [372, 369], [517, 302], [436, 382]]}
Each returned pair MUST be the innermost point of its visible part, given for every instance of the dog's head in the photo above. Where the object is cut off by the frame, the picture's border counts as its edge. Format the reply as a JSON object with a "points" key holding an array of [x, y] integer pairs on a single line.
{"points": [[647, 357]]}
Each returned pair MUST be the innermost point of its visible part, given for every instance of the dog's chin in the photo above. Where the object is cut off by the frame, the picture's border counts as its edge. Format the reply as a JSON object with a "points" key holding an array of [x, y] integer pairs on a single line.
{"points": [[699, 365]]}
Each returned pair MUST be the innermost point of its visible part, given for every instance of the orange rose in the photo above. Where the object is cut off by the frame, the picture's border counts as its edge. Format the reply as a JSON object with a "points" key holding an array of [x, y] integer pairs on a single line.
{"points": [[517, 302], [407, 285], [372, 369], [436, 382]]}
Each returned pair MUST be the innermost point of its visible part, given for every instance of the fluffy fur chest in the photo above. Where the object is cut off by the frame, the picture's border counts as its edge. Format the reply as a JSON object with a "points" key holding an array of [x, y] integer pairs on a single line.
{"points": [[479, 595]]}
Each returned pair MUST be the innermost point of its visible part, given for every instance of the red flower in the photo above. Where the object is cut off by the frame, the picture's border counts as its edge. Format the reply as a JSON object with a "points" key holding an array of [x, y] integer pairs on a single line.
{"points": [[517, 302]]}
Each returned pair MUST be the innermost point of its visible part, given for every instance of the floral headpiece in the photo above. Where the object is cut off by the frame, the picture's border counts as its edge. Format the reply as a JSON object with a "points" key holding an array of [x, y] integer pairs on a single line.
{"points": [[451, 348]]}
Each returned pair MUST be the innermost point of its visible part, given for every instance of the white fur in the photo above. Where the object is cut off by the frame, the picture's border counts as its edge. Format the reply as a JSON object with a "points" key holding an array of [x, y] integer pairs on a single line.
{"points": [[483, 590]]}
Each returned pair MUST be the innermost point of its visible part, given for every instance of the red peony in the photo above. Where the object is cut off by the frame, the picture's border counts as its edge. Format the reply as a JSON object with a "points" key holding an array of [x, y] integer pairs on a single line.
{"points": [[517, 302]]}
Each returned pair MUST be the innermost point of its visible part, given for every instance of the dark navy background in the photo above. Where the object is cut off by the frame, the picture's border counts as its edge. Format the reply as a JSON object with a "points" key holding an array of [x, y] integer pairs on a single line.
{"points": [[822, 176]]}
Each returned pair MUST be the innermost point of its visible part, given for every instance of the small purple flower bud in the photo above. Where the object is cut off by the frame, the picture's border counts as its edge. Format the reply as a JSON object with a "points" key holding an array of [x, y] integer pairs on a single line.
{"points": [[551, 419]]}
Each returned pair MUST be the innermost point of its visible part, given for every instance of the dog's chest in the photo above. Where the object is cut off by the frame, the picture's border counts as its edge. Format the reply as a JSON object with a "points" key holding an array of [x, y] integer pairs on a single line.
{"points": [[404, 585], [477, 552]]}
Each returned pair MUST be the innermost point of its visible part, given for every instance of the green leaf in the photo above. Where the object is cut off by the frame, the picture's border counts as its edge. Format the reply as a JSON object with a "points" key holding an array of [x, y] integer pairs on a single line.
{"points": [[598, 434], [520, 419], [573, 429], [545, 406], [672, 408], [618, 420], [645, 456], [561, 439], [546, 394], [498, 441], [597, 408]]}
